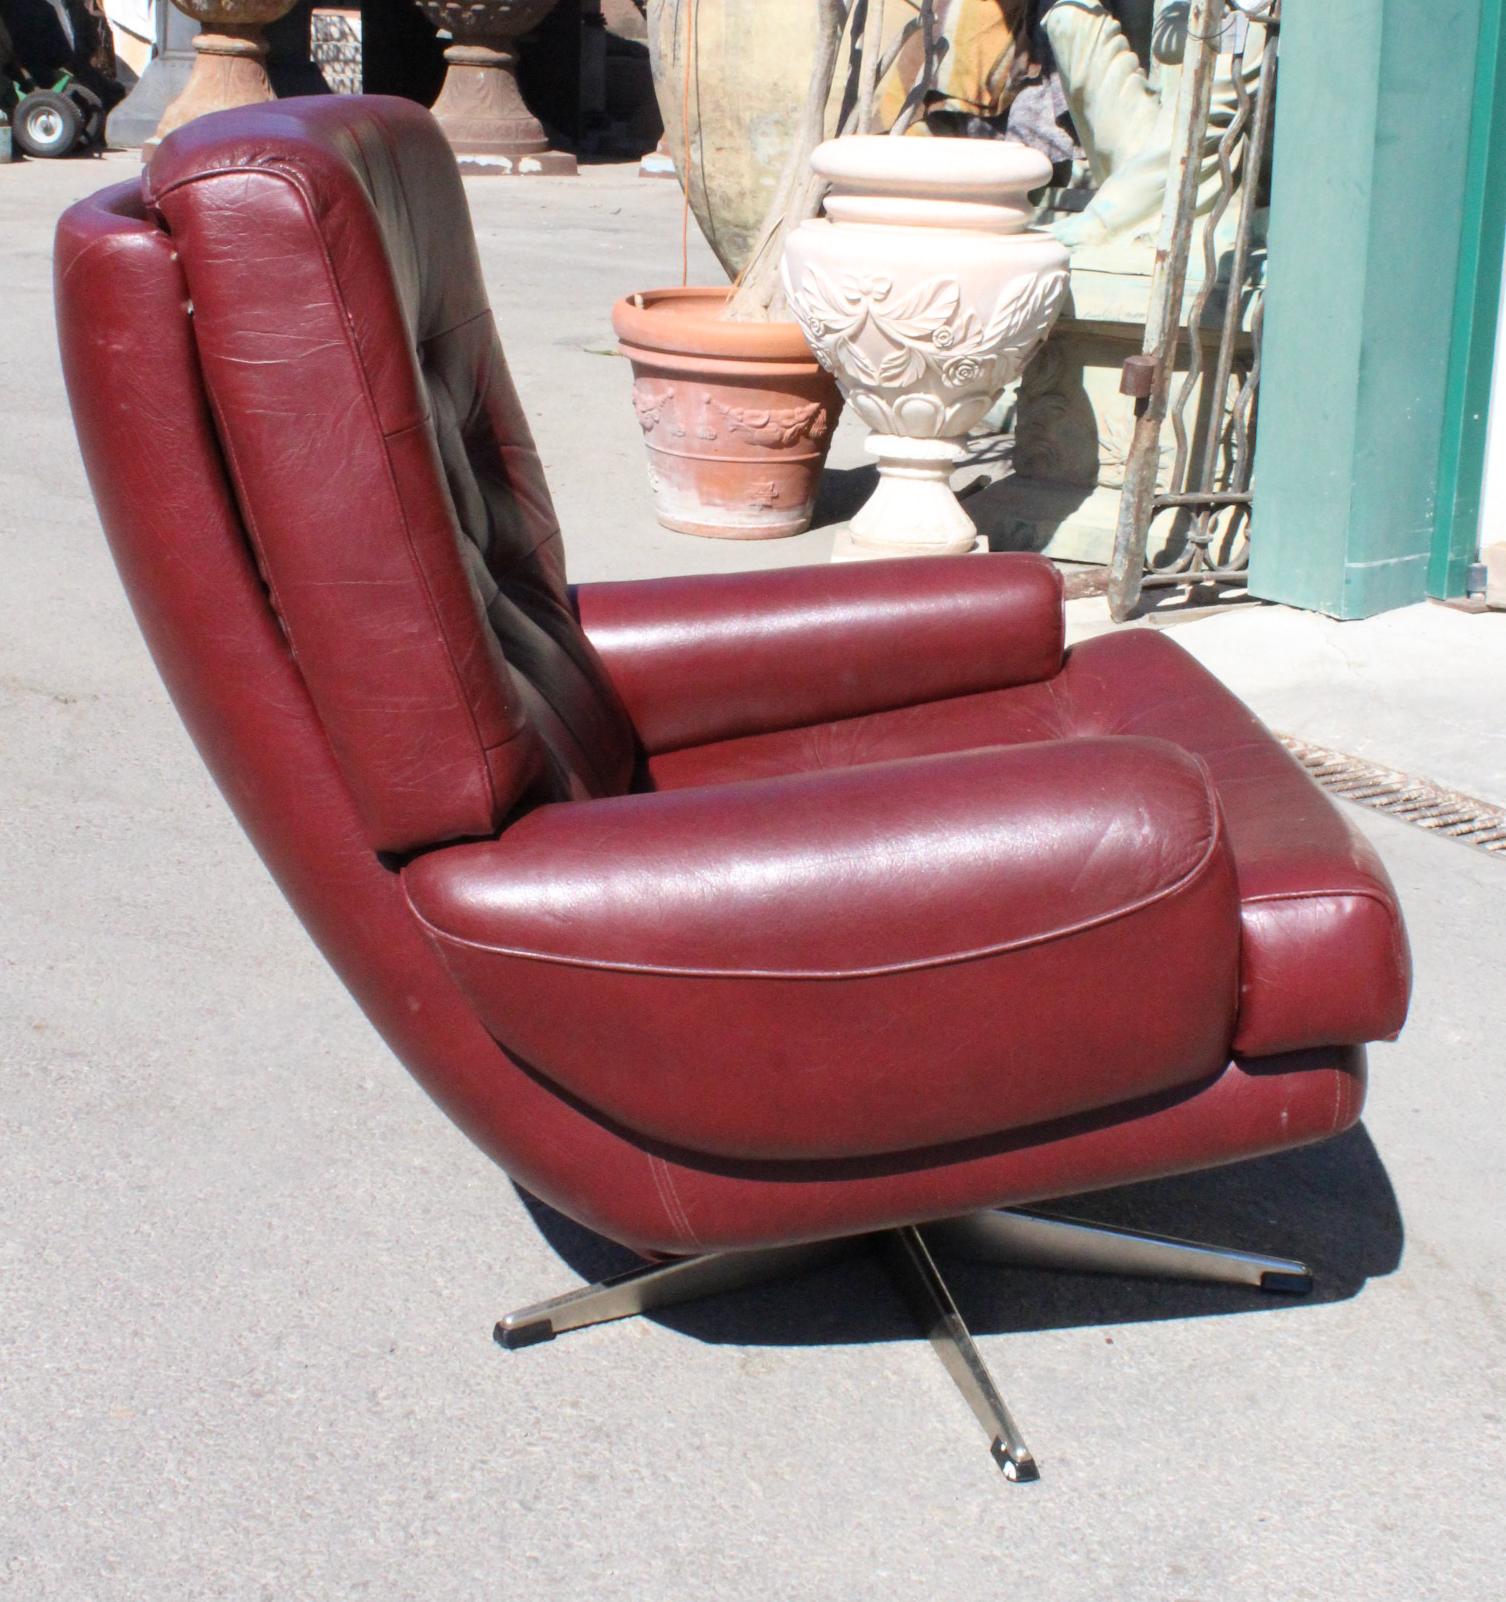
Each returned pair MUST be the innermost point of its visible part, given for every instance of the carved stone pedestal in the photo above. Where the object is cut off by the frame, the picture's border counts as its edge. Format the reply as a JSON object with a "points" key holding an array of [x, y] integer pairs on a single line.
{"points": [[1073, 426], [913, 511], [481, 108], [230, 58]]}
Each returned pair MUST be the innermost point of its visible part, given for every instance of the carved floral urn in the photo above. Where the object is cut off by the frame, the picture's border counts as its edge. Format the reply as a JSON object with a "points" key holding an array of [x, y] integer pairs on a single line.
{"points": [[480, 107], [925, 292], [230, 60]]}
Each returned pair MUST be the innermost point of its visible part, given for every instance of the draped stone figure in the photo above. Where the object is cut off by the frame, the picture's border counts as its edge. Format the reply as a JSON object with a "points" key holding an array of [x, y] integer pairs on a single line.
{"points": [[1122, 101]]}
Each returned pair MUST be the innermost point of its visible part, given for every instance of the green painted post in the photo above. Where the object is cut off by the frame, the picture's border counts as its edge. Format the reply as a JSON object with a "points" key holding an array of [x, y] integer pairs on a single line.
{"points": [[1371, 160], [1461, 466]]}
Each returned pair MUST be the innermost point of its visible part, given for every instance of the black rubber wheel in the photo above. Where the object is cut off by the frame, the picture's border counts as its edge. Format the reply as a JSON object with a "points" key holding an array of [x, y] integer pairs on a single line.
{"points": [[93, 109], [46, 124]]}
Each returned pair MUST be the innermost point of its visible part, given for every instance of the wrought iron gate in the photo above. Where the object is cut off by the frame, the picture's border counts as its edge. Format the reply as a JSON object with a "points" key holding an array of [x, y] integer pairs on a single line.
{"points": [[1212, 412]]}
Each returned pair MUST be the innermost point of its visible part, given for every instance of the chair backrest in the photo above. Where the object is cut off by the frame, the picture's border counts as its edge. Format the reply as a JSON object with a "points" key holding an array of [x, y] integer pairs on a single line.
{"points": [[158, 473], [382, 467]]}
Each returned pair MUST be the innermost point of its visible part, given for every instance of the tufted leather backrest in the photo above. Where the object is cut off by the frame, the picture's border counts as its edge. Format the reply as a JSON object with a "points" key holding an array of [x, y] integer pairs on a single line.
{"points": [[384, 469]]}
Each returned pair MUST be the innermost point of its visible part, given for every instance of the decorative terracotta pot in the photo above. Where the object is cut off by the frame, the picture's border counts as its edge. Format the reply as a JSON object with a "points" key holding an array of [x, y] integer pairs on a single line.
{"points": [[737, 417], [925, 292], [230, 56], [481, 108]]}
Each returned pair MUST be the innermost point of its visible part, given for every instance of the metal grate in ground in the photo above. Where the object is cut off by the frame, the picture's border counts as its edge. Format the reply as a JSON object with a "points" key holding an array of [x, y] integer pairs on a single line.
{"points": [[1420, 801]]}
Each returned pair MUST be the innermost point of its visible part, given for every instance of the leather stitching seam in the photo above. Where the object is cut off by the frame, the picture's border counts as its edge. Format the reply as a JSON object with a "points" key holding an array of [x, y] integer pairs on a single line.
{"points": [[950, 959], [664, 1179]]}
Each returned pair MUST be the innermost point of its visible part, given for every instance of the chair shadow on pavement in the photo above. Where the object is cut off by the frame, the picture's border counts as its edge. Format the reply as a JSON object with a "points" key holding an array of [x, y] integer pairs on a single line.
{"points": [[1331, 1205]]}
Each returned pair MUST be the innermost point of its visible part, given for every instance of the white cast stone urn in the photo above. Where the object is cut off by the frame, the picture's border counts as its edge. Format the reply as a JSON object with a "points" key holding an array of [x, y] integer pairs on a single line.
{"points": [[924, 291]]}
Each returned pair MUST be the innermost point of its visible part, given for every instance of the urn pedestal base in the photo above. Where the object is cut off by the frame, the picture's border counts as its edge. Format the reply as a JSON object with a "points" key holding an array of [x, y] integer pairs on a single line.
{"points": [[134, 121], [483, 115], [229, 69], [913, 511]]}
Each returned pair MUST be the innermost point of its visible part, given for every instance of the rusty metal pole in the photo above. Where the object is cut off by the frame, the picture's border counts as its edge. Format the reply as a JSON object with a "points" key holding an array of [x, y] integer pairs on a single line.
{"points": [[868, 63], [1148, 377]]}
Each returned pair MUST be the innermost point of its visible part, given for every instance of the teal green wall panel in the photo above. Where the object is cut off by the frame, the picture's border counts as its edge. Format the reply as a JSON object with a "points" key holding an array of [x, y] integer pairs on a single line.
{"points": [[1461, 468], [1373, 122]]}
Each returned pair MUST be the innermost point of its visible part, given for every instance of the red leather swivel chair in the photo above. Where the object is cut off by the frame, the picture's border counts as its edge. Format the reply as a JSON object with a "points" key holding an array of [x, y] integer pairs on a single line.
{"points": [[732, 916]]}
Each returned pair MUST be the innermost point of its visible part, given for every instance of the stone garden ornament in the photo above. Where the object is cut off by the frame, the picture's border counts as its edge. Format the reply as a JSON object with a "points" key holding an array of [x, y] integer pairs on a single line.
{"points": [[924, 291], [1121, 72], [230, 60], [921, 292], [481, 108], [1119, 69]]}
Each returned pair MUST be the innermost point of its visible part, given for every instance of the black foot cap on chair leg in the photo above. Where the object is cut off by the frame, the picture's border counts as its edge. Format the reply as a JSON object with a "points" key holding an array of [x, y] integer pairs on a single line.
{"points": [[1021, 1469], [523, 1334], [1287, 1284]]}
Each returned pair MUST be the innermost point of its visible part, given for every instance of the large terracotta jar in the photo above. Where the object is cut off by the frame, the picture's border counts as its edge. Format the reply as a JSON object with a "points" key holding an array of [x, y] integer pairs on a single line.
{"points": [[230, 60], [925, 291], [732, 74], [737, 416], [481, 108]]}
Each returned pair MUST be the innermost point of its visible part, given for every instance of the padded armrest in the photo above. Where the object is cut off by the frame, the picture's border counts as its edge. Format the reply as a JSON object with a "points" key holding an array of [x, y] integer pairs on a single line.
{"points": [[769, 969], [717, 656]]}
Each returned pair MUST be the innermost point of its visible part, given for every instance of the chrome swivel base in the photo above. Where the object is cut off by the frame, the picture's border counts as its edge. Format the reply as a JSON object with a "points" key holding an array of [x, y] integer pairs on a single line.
{"points": [[1010, 1237]]}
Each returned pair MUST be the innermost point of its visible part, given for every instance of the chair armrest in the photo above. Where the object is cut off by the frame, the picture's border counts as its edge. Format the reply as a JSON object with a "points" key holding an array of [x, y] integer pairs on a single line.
{"points": [[857, 961], [717, 656]]}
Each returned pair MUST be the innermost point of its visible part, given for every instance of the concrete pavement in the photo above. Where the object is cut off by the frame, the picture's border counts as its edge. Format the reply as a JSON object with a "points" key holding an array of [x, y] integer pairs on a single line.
{"points": [[249, 1273]]}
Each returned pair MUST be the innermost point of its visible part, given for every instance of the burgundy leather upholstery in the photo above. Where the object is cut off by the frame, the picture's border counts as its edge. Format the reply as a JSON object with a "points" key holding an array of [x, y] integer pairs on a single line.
{"points": [[357, 332], [776, 944], [711, 658], [1324, 955], [310, 627]]}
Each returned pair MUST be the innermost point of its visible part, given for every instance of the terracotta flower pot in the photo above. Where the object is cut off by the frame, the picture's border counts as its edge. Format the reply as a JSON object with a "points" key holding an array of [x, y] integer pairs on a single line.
{"points": [[737, 417]]}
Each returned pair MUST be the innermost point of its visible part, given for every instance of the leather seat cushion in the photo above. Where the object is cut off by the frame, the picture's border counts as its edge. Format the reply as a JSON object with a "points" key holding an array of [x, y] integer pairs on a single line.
{"points": [[838, 964], [1324, 957]]}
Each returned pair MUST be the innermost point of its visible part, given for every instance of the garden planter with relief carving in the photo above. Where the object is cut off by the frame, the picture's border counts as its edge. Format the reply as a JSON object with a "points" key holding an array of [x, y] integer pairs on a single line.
{"points": [[925, 291], [737, 416]]}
